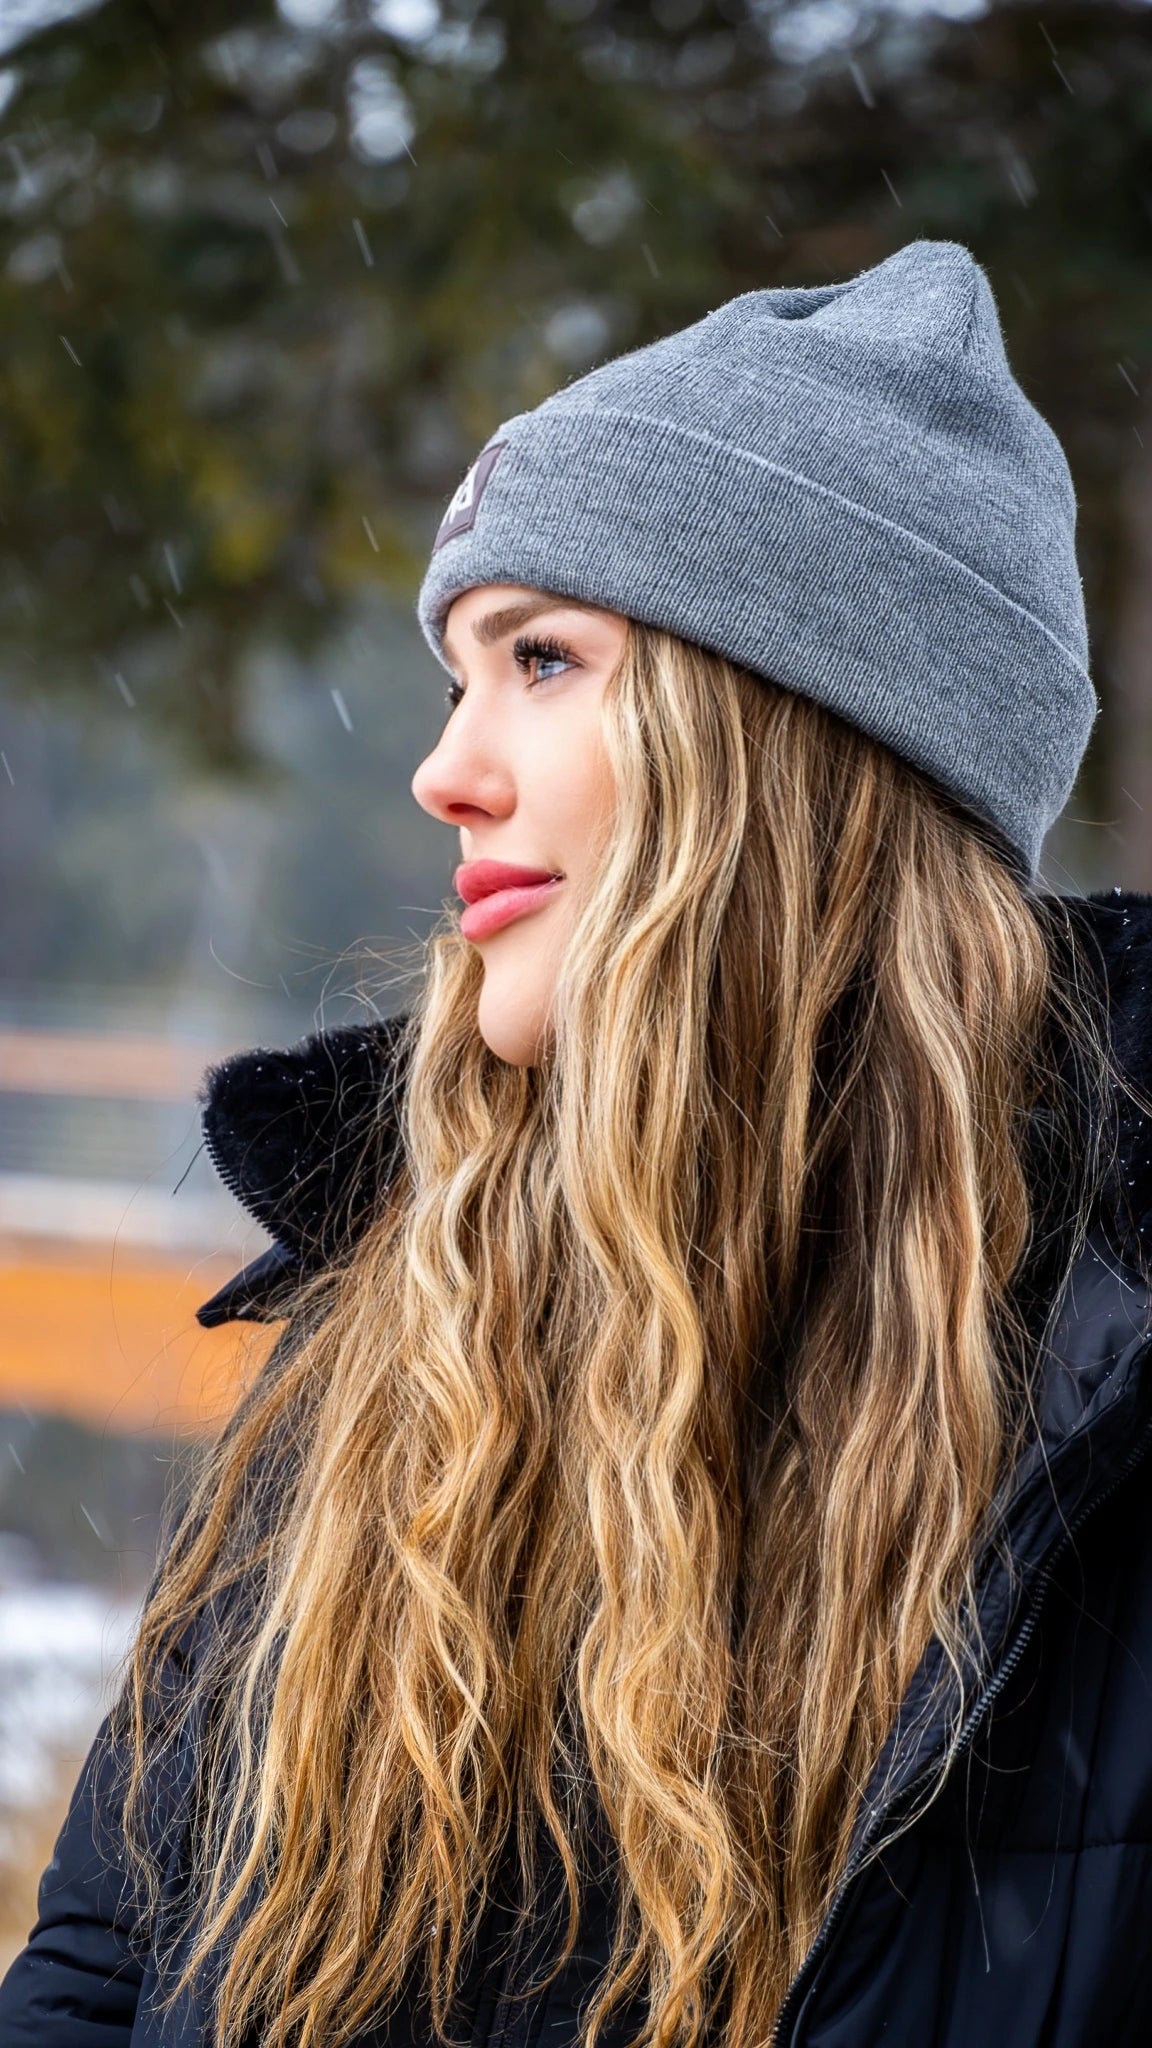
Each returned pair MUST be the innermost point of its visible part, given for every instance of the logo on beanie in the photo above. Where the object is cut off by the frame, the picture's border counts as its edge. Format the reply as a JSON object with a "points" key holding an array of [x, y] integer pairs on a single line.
{"points": [[461, 513]]}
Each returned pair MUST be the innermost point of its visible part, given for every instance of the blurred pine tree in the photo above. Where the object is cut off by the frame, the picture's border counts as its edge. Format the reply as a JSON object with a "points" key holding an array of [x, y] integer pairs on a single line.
{"points": [[269, 275]]}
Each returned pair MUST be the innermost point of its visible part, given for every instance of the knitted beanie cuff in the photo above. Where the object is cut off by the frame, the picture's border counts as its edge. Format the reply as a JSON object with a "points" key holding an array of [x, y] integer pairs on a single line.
{"points": [[787, 578]]}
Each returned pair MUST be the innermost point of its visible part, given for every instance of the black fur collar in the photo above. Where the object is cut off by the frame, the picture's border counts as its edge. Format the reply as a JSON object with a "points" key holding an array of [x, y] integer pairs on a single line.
{"points": [[308, 1138]]}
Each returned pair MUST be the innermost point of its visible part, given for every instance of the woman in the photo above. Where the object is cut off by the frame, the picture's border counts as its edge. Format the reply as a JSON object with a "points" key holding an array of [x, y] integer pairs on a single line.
{"points": [[685, 1574]]}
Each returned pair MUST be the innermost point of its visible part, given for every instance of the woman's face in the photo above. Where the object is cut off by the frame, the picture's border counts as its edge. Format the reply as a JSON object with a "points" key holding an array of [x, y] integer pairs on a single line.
{"points": [[520, 769]]}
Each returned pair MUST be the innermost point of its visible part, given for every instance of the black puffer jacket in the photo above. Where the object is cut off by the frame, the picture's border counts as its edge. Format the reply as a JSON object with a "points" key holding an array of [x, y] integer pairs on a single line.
{"points": [[1017, 1910]]}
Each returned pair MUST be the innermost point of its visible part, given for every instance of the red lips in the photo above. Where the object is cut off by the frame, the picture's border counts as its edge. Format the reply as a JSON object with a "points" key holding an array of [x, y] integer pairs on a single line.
{"points": [[477, 878]]}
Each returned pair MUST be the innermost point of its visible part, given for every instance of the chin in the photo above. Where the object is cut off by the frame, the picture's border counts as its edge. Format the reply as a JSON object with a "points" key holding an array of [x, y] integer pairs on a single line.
{"points": [[513, 1031]]}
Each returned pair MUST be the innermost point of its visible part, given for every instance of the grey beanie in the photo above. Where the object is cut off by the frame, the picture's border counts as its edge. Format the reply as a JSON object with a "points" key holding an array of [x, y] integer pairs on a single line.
{"points": [[841, 487]]}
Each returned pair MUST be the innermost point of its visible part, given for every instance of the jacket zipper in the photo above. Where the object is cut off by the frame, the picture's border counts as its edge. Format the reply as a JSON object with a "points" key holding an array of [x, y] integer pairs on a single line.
{"points": [[787, 2011], [500, 2011]]}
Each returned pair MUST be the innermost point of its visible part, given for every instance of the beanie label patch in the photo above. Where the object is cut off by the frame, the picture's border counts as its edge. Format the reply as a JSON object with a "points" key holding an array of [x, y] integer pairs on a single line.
{"points": [[463, 505]]}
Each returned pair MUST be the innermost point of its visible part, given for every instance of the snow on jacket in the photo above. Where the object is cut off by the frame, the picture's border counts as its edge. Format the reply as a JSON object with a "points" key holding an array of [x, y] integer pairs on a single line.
{"points": [[1016, 1910]]}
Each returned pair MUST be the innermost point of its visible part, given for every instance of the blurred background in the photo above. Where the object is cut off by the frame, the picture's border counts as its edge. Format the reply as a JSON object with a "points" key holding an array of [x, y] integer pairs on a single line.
{"points": [[271, 272]]}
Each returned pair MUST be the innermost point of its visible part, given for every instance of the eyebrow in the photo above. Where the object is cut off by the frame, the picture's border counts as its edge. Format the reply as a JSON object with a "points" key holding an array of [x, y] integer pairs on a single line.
{"points": [[493, 626]]}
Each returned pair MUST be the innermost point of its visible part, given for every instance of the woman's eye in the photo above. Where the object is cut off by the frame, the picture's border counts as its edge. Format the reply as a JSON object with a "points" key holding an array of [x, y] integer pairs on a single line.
{"points": [[528, 649]]}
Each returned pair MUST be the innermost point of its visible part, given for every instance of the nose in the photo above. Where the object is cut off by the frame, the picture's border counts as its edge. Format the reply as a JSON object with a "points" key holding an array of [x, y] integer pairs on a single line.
{"points": [[458, 781]]}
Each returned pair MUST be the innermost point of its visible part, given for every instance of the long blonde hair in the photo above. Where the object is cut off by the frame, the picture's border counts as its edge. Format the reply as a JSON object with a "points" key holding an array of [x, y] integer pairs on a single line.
{"points": [[663, 1403]]}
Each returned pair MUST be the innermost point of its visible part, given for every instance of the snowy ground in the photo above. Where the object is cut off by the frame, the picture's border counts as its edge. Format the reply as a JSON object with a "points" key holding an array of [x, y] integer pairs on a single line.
{"points": [[60, 1651]]}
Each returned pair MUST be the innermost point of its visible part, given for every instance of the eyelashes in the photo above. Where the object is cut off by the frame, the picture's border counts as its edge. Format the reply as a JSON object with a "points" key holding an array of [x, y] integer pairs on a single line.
{"points": [[526, 649], [529, 648]]}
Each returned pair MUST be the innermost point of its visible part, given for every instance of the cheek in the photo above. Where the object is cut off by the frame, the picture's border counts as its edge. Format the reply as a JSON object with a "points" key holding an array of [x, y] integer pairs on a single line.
{"points": [[583, 801]]}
